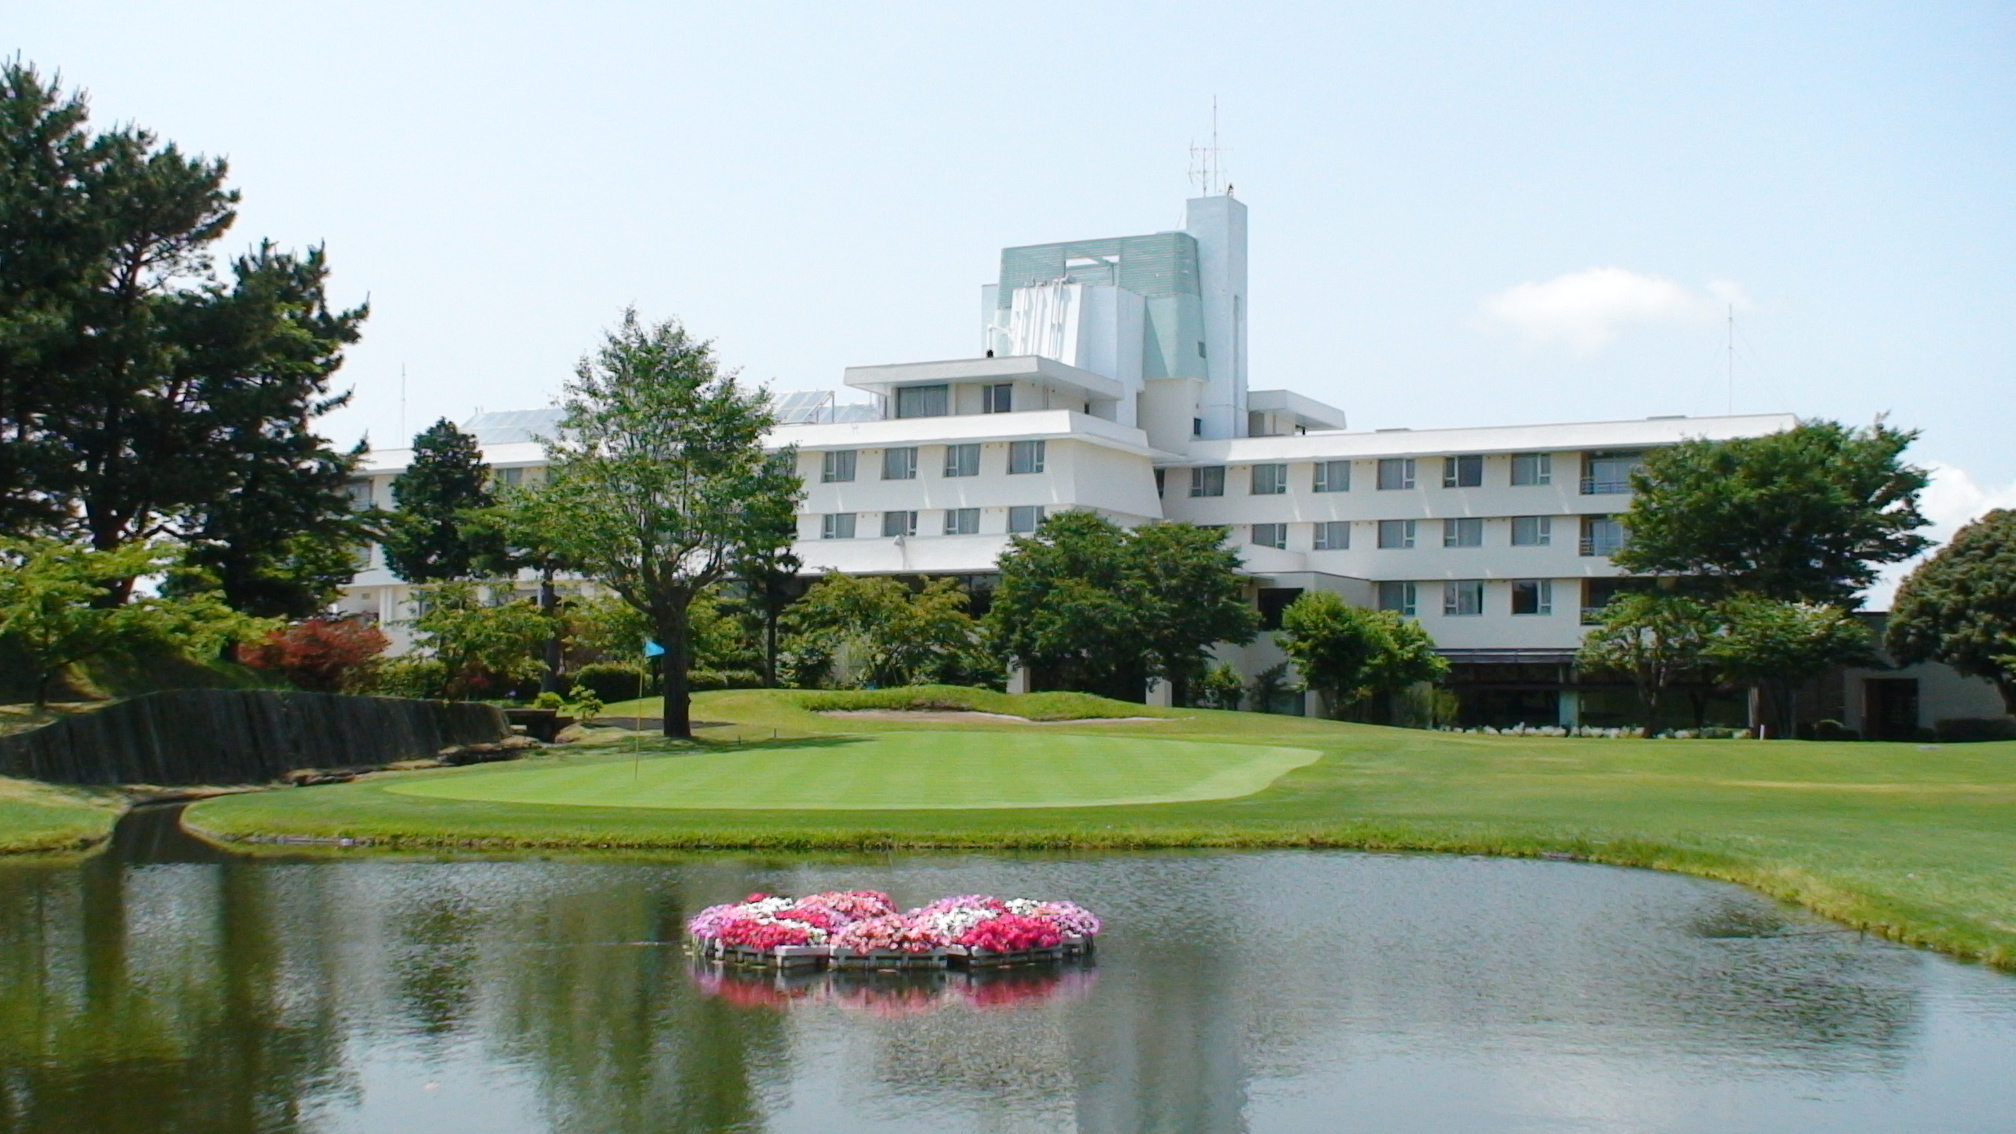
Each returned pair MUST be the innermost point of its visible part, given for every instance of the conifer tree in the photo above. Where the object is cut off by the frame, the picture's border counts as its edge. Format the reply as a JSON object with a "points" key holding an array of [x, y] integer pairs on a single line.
{"points": [[438, 533]]}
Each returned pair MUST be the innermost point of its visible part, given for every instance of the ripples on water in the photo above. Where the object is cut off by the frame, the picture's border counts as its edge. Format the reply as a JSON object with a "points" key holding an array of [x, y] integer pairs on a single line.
{"points": [[165, 988]]}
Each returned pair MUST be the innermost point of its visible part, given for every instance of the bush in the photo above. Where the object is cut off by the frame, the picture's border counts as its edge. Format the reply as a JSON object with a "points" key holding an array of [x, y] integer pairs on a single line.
{"points": [[322, 655], [612, 681], [410, 677], [703, 679], [548, 700], [1966, 730], [1220, 688], [1428, 706], [1834, 730]]}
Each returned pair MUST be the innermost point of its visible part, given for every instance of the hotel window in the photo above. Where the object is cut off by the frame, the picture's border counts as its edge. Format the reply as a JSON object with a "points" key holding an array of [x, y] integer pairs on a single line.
{"points": [[1024, 518], [1461, 597], [899, 524], [1465, 532], [998, 398], [1396, 533], [962, 460], [1396, 472], [1532, 468], [1025, 456], [1272, 601], [1270, 535], [1466, 471], [1601, 535], [1606, 474], [511, 478], [923, 401], [837, 525], [1532, 531], [1208, 480], [836, 466], [1333, 535], [359, 492], [962, 521], [1269, 480], [899, 464], [1597, 593], [1332, 476], [1532, 596], [1397, 597]]}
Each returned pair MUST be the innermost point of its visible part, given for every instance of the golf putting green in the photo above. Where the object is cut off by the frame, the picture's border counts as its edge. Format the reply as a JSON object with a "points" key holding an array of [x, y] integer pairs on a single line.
{"points": [[894, 771]]}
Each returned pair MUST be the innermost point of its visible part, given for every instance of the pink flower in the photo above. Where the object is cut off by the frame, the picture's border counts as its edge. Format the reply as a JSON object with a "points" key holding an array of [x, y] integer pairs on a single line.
{"points": [[1012, 933]]}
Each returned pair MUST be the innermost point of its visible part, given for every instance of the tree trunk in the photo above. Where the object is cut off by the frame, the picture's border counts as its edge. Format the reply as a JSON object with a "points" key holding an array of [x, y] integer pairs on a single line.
{"points": [[677, 657], [549, 680], [770, 613], [1651, 700]]}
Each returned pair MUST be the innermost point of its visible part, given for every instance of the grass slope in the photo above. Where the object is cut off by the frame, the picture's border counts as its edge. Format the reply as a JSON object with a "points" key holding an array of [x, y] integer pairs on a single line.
{"points": [[1915, 842], [896, 771], [43, 817]]}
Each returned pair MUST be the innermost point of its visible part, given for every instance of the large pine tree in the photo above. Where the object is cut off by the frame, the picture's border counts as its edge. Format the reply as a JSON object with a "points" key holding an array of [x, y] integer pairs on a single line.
{"points": [[142, 392]]}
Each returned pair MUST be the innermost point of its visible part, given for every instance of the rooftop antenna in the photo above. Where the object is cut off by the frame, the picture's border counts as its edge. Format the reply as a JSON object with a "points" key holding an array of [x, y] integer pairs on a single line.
{"points": [[403, 435], [1204, 167], [1732, 359]]}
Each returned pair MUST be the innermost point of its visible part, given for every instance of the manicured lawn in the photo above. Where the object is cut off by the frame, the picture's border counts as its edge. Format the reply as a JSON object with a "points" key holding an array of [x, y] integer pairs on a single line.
{"points": [[1915, 842], [897, 771], [40, 817]]}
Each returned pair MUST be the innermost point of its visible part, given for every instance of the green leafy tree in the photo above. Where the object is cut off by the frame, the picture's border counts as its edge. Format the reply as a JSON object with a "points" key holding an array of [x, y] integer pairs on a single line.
{"points": [[1062, 608], [438, 533], [1086, 604], [1349, 654], [889, 634], [659, 487], [53, 609], [1656, 639], [1191, 598], [143, 394], [1776, 647], [1959, 606], [477, 642], [1807, 514]]}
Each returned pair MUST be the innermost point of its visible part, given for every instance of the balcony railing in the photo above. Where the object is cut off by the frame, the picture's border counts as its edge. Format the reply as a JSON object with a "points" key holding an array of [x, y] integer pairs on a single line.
{"points": [[1600, 545], [1592, 616], [1605, 486]]}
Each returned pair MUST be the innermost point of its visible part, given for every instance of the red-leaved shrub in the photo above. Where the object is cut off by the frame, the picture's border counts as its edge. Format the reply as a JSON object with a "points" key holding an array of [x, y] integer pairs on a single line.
{"points": [[323, 655]]}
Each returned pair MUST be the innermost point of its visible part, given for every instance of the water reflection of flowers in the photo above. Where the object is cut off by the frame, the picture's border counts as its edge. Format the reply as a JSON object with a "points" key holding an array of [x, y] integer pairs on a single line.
{"points": [[892, 995]]}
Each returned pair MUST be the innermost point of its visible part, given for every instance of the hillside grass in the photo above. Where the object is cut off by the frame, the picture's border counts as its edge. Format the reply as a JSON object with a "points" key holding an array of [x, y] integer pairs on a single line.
{"points": [[43, 817], [1914, 842]]}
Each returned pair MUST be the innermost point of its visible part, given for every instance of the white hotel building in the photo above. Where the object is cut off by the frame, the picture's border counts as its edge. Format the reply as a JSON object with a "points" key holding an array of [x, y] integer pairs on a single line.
{"points": [[1112, 376]]}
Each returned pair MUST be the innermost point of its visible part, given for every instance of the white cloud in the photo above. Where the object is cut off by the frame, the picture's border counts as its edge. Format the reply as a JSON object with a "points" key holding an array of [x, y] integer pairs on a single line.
{"points": [[1586, 310], [1952, 501]]}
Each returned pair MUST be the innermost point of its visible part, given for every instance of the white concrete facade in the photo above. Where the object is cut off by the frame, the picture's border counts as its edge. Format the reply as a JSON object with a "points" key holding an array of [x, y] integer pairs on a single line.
{"points": [[1113, 379]]}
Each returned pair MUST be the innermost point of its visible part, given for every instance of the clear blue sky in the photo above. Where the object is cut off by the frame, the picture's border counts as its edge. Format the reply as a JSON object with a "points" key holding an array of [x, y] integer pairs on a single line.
{"points": [[1432, 187]]}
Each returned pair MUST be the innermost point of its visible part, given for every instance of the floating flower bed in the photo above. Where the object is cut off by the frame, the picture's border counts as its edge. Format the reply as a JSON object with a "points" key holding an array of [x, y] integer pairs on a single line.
{"points": [[862, 929]]}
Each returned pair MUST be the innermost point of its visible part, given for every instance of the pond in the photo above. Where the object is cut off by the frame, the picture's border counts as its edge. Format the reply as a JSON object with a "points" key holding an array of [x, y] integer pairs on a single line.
{"points": [[165, 988]]}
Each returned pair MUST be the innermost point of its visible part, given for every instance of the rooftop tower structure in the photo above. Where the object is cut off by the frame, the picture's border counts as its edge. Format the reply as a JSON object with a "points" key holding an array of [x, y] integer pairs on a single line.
{"points": [[1162, 314]]}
